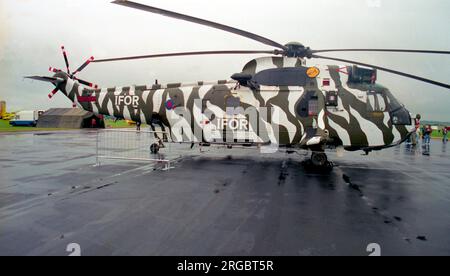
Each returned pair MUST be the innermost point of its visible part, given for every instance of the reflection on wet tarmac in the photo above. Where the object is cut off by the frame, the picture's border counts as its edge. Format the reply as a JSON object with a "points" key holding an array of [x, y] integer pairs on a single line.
{"points": [[220, 202]]}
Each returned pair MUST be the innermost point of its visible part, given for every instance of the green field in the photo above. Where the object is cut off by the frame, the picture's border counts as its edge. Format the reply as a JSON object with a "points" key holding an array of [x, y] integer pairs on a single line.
{"points": [[6, 127], [119, 124], [437, 134]]}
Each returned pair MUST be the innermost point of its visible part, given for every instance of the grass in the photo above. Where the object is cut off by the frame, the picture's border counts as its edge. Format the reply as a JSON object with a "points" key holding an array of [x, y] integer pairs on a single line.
{"points": [[6, 127], [437, 134], [119, 124]]}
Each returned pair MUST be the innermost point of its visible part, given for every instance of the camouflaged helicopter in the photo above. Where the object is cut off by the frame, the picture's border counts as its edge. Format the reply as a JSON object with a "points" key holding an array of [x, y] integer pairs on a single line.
{"points": [[275, 100]]}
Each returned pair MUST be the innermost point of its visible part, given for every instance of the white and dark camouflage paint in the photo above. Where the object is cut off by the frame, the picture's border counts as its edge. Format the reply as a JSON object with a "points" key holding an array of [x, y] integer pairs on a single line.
{"points": [[362, 120]]}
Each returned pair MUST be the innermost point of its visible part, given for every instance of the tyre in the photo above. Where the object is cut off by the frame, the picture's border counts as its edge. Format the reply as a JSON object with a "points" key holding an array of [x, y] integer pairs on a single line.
{"points": [[319, 159]]}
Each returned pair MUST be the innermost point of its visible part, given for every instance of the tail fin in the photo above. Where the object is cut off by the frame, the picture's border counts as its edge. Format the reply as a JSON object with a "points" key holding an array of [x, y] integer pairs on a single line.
{"points": [[53, 80]]}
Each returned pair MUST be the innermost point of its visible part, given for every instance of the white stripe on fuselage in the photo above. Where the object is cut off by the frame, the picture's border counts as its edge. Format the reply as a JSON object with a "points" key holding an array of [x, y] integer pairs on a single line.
{"points": [[157, 100], [342, 133], [267, 95], [145, 95], [102, 95], [203, 90], [373, 133], [279, 117]]}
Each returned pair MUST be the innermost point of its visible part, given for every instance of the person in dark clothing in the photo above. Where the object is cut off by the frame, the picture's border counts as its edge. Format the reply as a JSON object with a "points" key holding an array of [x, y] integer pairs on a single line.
{"points": [[422, 131], [445, 134], [93, 123], [415, 136], [427, 134], [138, 126]]}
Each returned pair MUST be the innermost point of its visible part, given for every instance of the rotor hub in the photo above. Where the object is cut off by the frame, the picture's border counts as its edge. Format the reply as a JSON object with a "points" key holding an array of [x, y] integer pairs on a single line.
{"points": [[296, 49]]}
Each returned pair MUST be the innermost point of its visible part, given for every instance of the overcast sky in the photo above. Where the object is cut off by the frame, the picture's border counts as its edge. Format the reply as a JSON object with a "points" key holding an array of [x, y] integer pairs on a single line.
{"points": [[31, 32]]}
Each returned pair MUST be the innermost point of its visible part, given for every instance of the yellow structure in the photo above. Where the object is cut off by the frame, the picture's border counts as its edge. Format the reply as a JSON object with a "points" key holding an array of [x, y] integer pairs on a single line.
{"points": [[2, 109], [5, 115]]}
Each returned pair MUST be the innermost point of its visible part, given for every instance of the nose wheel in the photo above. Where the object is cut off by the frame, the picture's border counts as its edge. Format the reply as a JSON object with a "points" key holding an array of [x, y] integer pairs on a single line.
{"points": [[319, 159]]}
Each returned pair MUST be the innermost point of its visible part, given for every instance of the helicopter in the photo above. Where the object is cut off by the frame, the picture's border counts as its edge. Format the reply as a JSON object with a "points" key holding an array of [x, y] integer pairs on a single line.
{"points": [[275, 100]]}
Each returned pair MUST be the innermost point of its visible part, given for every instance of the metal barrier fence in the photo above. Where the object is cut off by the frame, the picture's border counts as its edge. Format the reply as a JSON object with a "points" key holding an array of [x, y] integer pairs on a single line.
{"points": [[133, 145]]}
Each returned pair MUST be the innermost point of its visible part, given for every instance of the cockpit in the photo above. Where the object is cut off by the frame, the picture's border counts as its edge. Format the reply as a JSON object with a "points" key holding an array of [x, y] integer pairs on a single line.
{"points": [[379, 99], [399, 114]]}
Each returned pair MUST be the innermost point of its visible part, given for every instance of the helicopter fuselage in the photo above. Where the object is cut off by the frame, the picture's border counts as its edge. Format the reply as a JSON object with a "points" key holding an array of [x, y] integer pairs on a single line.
{"points": [[324, 110]]}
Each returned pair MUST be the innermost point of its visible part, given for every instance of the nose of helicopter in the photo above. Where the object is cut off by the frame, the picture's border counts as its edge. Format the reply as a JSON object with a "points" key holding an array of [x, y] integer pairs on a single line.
{"points": [[412, 126]]}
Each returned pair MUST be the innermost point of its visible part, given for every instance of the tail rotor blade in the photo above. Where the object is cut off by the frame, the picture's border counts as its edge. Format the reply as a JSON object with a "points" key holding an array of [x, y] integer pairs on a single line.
{"points": [[66, 59], [53, 93], [86, 63], [90, 84], [54, 70]]}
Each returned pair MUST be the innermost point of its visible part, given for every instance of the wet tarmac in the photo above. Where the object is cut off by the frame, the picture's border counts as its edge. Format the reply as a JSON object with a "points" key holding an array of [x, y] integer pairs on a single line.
{"points": [[219, 202]]}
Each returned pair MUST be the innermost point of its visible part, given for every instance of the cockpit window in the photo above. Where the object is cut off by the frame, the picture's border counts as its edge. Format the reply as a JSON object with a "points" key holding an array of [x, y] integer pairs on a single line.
{"points": [[399, 114], [392, 101], [291, 76], [376, 102]]}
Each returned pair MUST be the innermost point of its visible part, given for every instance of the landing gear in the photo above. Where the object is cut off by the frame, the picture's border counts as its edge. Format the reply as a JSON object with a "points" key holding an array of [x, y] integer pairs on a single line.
{"points": [[318, 163], [319, 159]]}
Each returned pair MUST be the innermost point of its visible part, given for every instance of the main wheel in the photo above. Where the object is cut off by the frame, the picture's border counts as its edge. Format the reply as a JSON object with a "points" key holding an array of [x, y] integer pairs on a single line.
{"points": [[319, 159], [154, 148]]}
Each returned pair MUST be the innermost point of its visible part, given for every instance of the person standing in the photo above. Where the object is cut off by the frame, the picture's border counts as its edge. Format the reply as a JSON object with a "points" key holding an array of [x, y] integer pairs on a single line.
{"points": [[93, 123], [422, 131], [427, 134], [445, 134], [138, 126], [416, 135]]}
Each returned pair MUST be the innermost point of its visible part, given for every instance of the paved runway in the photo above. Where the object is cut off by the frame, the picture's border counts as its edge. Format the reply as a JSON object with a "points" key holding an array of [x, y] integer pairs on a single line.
{"points": [[220, 202]]}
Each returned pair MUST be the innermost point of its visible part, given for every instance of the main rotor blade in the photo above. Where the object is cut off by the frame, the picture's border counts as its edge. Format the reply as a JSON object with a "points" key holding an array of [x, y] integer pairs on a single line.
{"points": [[384, 50], [200, 21], [273, 52], [53, 80], [387, 70]]}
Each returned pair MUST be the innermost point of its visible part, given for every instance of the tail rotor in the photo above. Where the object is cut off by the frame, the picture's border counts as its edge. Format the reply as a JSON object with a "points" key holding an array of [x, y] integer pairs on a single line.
{"points": [[71, 75]]}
